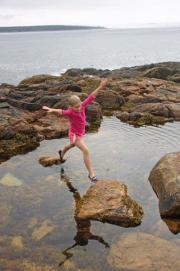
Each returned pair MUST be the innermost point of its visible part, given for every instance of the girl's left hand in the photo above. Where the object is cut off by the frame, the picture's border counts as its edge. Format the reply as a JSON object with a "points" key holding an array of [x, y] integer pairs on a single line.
{"points": [[45, 108]]}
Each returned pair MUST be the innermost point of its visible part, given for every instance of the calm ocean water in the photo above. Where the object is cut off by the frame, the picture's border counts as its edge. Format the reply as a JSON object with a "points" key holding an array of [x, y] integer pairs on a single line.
{"points": [[26, 54], [119, 152]]}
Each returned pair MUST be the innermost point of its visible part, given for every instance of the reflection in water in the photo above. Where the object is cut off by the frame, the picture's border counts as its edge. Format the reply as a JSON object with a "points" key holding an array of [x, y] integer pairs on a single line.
{"points": [[83, 226], [120, 152], [173, 225]]}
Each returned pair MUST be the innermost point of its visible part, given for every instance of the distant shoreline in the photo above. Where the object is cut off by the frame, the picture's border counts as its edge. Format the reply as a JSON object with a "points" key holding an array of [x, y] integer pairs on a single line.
{"points": [[10, 29]]}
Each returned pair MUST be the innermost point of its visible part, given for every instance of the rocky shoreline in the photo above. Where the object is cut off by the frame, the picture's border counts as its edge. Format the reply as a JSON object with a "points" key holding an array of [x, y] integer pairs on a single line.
{"points": [[132, 97], [142, 95]]}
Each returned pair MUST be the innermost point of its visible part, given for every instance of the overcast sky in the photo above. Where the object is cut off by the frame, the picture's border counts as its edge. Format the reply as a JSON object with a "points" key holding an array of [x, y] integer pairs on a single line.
{"points": [[108, 13]]}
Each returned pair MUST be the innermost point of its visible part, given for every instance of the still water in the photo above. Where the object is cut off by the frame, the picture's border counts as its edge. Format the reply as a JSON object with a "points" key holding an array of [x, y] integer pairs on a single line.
{"points": [[40, 211], [27, 54]]}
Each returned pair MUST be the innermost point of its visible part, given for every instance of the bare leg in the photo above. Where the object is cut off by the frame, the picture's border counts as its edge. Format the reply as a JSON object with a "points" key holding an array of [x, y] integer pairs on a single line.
{"points": [[66, 148], [82, 146]]}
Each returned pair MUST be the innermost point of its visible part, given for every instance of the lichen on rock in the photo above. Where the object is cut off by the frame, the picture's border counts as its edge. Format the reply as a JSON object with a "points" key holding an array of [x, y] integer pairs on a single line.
{"points": [[107, 201]]}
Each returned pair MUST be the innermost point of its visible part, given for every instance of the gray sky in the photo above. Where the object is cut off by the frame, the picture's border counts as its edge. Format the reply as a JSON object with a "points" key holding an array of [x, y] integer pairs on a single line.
{"points": [[109, 13]]}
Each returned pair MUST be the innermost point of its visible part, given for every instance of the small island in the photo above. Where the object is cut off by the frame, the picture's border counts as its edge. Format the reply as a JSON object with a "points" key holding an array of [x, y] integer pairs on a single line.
{"points": [[36, 28]]}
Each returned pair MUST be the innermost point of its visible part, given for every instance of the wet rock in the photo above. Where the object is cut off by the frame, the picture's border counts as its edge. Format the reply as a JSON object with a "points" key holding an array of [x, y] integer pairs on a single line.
{"points": [[136, 99], [110, 100], [157, 109], [10, 180], [17, 139], [49, 100], [17, 135], [175, 78], [139, 119], [173, 225], [146, 119], [74, 88], [142, 251], [175, 110], [165, 181], [160, 69], [73, 72], [94, 115], [87, 71], [36, 79], [51, 126], [123, 116], [47, 161], [24, 105], [4, 105], [135, 116], [149, 98], [107, 201], [128, 90], [159, 72]]}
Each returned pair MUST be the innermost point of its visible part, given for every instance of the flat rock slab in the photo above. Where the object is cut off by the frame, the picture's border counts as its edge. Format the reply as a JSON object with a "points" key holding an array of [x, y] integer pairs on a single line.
{"points": [[142, 251], [165, 180], [48, 161], [107, 201]]}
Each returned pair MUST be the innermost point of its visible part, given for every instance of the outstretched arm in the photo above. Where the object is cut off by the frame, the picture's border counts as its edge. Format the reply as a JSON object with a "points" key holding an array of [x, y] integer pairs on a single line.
{"points": [[93, 94], [102, 84], [52, 110]]}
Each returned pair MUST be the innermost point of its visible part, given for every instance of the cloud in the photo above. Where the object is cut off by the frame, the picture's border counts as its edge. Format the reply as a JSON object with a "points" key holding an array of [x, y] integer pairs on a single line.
{"points": [[6, 16], [88, 12], [64, 4]]}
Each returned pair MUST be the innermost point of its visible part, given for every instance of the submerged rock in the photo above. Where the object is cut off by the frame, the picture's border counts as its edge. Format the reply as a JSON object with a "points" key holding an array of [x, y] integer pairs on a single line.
{"points": [[17, 242], [10, 180], [107, 201], [5, 212], [48, 161], [165, 180], [45, 228], [24, 265], [142, 251]]}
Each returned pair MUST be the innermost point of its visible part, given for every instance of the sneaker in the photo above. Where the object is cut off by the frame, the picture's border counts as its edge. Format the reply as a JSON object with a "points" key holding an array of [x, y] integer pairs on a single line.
{"points": [[62, 160], [93, 179]]}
